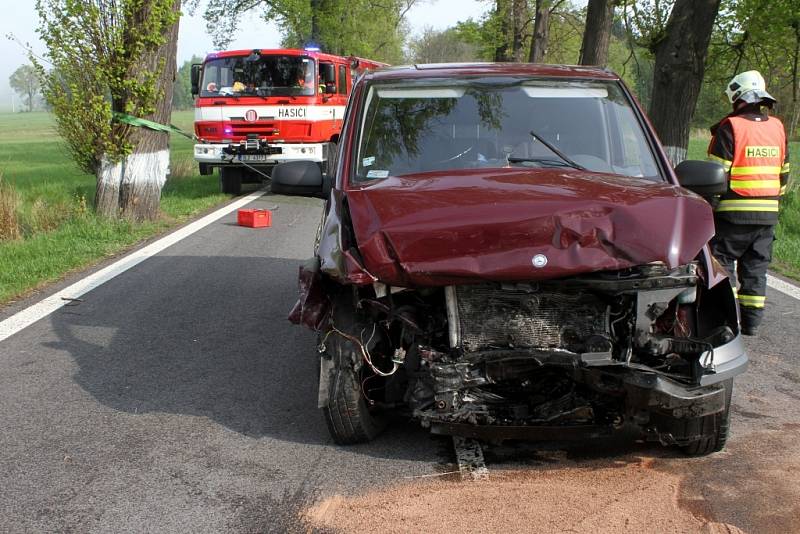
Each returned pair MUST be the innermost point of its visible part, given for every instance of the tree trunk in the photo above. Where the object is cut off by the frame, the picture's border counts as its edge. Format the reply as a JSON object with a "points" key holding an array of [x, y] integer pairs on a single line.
{"points": [[596, 37], [132, 187], [541, 32], [503, 14], [678, 72], [519, 13], [795, 104]]}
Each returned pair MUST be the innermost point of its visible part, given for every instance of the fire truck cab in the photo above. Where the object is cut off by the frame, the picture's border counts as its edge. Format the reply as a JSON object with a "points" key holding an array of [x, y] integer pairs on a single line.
{"points": [[257, 108]]}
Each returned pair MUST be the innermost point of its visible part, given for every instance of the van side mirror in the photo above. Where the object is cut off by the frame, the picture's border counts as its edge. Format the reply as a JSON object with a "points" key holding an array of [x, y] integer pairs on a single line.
{"points": [[195, 77], [300, 178], [705, 178]]}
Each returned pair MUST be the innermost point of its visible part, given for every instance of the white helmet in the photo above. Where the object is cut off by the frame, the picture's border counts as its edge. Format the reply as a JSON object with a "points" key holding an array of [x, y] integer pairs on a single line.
{"points": [[748, 86]]}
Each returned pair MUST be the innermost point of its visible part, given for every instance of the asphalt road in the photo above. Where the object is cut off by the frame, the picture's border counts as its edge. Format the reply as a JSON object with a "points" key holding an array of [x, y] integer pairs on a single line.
{"points": [[177, 397]]}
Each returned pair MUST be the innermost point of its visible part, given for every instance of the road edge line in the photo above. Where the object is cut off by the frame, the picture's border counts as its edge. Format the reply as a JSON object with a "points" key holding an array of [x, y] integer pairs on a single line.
{"points": [[783, 286], [41, 309]]}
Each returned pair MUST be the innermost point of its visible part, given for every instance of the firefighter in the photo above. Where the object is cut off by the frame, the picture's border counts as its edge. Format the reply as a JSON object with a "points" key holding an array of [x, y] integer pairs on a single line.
{"points": [[752, 147]]}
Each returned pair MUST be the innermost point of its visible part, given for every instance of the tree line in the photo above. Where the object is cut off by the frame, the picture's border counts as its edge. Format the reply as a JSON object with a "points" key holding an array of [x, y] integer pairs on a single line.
{"points": [[676, 55], [113, 58]]}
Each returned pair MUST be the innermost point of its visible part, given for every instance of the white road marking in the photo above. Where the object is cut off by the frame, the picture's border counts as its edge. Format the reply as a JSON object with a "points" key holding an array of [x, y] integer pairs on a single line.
{"points": [[470, 459], [784, 287], [48, 305]]}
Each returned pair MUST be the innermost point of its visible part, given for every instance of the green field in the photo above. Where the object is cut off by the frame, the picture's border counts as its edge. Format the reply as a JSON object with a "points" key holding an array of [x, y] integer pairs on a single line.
{"points": [[58, 231]]}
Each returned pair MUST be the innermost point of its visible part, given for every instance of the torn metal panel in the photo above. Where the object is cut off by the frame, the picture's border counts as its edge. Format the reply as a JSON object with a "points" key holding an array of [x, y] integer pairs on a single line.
{"points": [[339, 259], [312, 307]]}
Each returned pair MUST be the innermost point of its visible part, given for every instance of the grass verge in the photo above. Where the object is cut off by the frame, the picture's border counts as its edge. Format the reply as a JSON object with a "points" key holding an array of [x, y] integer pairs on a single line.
{"points": [[45, 205]]}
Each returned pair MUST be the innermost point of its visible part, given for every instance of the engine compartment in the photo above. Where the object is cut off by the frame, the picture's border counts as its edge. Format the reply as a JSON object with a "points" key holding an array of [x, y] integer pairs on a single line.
{"points": [[565, 352]]}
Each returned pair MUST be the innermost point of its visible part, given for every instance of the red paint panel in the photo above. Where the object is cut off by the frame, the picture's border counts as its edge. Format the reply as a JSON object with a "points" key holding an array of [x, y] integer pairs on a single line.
{"points": [[442, 228]]}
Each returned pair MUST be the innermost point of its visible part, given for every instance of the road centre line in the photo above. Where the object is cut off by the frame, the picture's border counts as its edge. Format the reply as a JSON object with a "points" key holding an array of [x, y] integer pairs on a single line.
{"points": [[784, 287], [48, 305]]}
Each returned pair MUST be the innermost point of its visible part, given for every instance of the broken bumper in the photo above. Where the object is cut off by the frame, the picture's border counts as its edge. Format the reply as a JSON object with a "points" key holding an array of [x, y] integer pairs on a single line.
{"points": [[725, 362]]}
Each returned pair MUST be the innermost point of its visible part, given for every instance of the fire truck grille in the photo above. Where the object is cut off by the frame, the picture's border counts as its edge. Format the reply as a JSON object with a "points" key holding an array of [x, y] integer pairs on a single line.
{"points": [[491, 317], [262, 129]]}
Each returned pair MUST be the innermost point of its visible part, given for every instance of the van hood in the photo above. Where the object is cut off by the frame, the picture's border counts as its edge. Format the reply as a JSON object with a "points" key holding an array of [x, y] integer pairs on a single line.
{"points": [[521, 224]]}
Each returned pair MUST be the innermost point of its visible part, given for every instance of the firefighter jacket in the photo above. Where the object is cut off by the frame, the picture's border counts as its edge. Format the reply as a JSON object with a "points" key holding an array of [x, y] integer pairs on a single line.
{"points": [[753, 148]]}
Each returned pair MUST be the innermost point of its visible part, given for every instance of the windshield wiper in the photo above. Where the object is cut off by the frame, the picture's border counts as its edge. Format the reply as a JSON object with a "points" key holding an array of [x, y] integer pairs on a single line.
{"points": [[557, 152], [546, 161]]}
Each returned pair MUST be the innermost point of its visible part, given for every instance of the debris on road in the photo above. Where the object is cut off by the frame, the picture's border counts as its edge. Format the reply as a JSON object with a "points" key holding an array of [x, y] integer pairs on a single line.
{"points": [[254, 218], [469, 455]]}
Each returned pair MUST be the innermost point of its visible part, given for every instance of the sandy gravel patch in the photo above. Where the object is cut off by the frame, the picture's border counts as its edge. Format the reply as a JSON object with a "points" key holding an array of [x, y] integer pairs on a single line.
{"points": [[594, 497]]}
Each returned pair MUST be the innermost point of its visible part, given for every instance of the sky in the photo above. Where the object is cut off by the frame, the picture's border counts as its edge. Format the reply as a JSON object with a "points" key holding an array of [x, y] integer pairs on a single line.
{"points": [[21, 21]]}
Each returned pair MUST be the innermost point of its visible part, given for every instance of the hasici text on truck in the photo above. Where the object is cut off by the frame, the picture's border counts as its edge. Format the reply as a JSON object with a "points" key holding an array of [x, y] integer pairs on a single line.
{"points": [[257, 108]]}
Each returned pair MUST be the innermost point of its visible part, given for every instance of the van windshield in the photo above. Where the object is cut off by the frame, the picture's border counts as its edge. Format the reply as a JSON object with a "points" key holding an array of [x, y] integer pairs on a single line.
{"points": [[258, 75], [485, 123]]}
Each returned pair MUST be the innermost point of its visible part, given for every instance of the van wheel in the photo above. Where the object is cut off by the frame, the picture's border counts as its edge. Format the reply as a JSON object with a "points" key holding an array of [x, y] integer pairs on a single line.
{"points": [[350, 420], [231, 180], [717, 426]]}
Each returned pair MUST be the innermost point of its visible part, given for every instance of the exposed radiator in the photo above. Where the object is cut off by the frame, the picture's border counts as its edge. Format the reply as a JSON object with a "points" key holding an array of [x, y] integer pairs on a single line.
{"points": [[491, 317]]}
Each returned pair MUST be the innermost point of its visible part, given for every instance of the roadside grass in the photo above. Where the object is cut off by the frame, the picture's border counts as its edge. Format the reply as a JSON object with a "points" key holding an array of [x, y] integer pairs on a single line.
{"points": [[56, 231], [786, 250]]}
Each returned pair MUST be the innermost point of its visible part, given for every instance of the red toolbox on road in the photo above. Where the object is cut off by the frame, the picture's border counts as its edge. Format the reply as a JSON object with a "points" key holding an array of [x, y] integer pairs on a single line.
{"points": [[254, 218]]}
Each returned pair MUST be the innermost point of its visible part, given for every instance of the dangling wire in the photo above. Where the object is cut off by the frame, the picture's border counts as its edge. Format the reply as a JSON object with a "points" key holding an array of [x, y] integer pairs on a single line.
{"points": [[364, 351]]}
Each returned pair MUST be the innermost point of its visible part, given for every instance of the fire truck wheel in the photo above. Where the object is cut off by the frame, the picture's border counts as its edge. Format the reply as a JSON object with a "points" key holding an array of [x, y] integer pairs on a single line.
{"points": [[231, 179], [206, 170]]}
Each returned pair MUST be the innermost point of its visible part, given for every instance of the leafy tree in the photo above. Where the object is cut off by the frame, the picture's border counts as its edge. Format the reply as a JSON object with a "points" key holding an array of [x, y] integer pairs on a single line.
{"points": [[365, 28], [763, 35], [182, 91], [112, 56], [25, 81], [519, 30], [446, 46]]}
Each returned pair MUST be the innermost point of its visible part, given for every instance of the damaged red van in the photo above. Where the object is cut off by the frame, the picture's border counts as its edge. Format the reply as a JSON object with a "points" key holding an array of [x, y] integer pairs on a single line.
{"points": [[507, 253]]}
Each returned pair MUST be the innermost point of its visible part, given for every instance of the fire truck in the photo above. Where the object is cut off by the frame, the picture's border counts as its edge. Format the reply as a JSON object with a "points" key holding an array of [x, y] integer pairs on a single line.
{"points": [[257, 108]]}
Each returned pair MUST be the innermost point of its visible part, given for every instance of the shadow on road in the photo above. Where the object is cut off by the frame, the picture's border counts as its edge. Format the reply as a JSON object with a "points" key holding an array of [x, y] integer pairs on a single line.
{"points": [[213, 341]]}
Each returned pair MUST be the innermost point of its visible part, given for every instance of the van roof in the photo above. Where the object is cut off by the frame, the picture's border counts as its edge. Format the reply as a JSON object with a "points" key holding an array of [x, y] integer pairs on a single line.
{"points": [[458, 70]]}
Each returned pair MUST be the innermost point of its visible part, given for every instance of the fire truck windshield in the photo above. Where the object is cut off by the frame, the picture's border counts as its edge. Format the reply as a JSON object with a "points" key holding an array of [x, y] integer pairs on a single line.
{"points": [[258, 75]]}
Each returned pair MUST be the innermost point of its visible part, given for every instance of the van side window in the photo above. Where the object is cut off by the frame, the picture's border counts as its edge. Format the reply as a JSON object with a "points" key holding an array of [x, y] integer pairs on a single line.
{"points": [[342, 80]]}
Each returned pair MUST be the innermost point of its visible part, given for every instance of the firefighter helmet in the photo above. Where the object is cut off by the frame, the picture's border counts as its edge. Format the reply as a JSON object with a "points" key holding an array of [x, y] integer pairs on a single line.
{"points": [[750, 87]]}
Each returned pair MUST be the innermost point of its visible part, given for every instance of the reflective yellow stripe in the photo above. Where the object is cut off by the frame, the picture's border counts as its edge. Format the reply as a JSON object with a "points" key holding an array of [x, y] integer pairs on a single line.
{"points": [[752, 301], [786, 168], [745, 208], [765, 201], [783, 190], [722, 161], [745, 171], [755, 184], [747, 204]]}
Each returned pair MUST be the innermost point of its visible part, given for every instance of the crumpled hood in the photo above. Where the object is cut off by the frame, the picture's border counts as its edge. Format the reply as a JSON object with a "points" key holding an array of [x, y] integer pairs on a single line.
{"points": [[521, 224]]}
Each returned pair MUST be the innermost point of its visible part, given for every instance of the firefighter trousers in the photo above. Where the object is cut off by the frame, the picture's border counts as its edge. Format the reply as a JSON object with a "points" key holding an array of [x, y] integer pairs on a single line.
{"points": [[745, 250]]}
